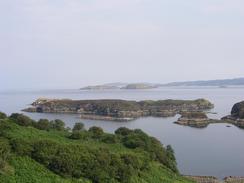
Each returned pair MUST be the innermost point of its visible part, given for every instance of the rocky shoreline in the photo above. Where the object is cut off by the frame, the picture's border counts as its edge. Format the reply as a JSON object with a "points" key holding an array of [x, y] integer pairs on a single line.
{"points": [[118, 110], [211, 179]]}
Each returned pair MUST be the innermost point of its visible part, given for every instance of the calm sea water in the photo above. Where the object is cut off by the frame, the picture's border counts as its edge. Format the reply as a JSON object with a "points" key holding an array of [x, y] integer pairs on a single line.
{"points": [[215, 150]]}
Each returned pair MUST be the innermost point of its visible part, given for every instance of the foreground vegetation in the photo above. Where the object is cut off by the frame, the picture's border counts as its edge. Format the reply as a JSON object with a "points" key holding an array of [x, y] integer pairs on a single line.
{"points": [[46, 151]]}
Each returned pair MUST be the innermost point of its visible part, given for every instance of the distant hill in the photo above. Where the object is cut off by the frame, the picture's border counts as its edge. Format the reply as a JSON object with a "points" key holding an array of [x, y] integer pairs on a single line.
{"points": [[217, 83], [220, 83], [112, 86]]}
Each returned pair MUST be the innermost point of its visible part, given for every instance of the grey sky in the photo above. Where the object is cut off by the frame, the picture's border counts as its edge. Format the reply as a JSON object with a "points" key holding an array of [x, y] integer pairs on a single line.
{"points": [[72, 43]]}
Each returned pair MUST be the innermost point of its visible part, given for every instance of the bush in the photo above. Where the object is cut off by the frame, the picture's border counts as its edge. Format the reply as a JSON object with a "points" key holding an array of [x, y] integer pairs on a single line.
{"points": [[21, 119], [21, 147], [3, 115], [76, 135], [96, 164], [109, 138], [123, 131], [4, 152], [57, 124], [43, 124], [96, 132], [78, 127]]}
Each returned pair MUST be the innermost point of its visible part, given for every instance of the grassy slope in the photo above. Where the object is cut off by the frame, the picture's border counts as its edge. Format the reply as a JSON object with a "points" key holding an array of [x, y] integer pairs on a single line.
{"points": [[28, 170]]}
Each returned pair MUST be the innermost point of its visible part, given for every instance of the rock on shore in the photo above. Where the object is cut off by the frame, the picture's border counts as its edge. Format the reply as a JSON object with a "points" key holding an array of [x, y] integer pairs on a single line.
{"points": [[237, 115], [211, 179], [194, 119]]}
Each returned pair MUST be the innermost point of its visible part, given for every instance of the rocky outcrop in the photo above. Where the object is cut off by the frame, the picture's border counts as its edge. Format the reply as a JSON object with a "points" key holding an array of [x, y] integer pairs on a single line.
{"points": [[194, 119], [234, 179], [211, 179], [237, 115], [119, 109], [203, 179]]}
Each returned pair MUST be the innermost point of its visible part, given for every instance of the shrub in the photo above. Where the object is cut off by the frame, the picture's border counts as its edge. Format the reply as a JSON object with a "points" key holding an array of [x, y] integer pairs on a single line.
{"points": [[21, 119], [76, 135], [109, 138], [3, 115], [78, 127], [123, 131], [43, 124], [96, 132], [57, 124], [22, 147], [4, 152]]}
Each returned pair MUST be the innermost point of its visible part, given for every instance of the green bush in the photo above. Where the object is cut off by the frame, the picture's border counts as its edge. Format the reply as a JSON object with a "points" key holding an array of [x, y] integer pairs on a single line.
{"points": [[123, 131], [3, 115], [22, 147], [21, 119], [43, 124], [58, 124], [76, 135], [5, 150], [96, 132], [78, 127], [109, 138]]}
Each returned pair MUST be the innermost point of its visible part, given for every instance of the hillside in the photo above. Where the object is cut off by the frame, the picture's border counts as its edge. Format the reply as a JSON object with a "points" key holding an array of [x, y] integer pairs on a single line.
{"points": [[220, 83], [45, 151]]}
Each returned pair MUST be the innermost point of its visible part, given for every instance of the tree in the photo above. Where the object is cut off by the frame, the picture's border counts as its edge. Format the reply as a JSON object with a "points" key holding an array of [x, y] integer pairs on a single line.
{"points": [[58, 124], [78, 127], [21, 119], [43, 124], [96, 132], [123, 131], [3, 115]]}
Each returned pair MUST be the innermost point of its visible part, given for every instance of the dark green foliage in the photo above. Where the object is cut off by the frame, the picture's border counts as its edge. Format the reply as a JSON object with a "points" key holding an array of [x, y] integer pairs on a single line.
{"points": [[43, 124], [138, 139], [123, 131], [99, 165], [58, 124], [4, 152], [76, 135], [171, 161], [109, 138], [3, 115], [78, 127], [96, 132], [22, 147], [21, 119], [127, 156]]}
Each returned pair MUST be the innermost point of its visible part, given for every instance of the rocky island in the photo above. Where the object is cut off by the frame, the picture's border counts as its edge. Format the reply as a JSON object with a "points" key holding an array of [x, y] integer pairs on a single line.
{"points": [[119, 110], [201, 120], [194, 119], [237, 115]]}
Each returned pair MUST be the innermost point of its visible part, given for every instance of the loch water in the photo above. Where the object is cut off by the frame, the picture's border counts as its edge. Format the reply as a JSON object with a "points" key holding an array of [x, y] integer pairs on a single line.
{"points": [[215, 150]]}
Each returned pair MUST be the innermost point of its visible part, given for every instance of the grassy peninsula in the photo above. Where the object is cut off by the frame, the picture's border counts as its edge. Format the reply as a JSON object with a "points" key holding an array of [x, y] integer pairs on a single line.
{"points": [[45, 151]]}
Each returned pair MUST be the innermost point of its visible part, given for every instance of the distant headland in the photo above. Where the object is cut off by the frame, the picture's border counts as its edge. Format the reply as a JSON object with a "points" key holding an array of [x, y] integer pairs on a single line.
{"points": [[221, 83]]}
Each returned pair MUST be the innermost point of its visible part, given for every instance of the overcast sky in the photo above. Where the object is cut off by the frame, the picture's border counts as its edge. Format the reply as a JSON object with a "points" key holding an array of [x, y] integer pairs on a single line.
{"points": [[71, 43]]}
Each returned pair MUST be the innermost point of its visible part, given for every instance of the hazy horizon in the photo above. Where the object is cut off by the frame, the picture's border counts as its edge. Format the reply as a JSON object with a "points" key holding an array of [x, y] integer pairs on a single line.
{"points": [[70, 43]]}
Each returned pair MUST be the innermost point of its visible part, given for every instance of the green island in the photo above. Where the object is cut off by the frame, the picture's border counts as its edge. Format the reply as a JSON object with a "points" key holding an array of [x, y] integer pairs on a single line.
{"points": [[118, 110], [46, 151]]}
